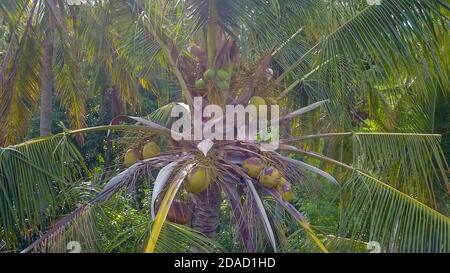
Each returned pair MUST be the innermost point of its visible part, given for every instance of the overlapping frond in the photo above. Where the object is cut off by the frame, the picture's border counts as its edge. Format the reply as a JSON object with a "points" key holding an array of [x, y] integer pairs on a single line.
{"points": [[365, 48], [55, 239], [375, 211], [35, 179], [172, 239], [361, 57], [19, 80], [411, 163], [104, 30], [70, 84]]}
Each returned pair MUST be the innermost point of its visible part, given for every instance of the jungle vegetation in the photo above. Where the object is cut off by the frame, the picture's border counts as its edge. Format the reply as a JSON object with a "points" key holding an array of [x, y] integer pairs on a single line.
{"points": [[86, 92]]}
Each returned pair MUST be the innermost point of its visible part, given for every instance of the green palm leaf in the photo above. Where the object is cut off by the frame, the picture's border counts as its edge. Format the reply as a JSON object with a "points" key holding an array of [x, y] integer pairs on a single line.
{"points": [[375, 211], [44, 168]]}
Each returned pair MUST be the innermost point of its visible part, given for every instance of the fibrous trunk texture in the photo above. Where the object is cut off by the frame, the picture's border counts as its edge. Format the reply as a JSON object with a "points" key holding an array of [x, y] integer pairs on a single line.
{"points": [[47, 84], [207, 211]]}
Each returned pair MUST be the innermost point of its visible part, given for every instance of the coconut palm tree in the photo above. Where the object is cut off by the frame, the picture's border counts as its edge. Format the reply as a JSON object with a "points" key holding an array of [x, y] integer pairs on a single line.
{"points": [[41, 52], [65, 35], [350, 66]]}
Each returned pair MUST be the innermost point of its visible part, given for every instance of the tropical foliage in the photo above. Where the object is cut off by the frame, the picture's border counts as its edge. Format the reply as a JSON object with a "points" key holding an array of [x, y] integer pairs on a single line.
{"points": [[363, 91]]}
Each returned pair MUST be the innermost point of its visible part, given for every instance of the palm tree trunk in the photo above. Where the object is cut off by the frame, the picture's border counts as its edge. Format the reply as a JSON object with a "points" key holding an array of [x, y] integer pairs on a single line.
{"points": [[47, 84], [207, 211]]}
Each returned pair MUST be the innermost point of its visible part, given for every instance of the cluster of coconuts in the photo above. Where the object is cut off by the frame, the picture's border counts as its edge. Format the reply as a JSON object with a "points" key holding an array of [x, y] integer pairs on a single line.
{"points": [[150, 149], [268, 176], [221, 77]]}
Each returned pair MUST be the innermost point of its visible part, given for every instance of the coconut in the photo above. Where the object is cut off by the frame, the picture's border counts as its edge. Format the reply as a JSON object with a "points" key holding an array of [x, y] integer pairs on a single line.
{"points": [[179, 212], [285, 189], [223, 75], [131, 157], [209, 74], [253, 166], [270, 177], [281, 181], [223, 85], [198, 180], [287, 196], [257, 101], [200, 84], [151, 149]]}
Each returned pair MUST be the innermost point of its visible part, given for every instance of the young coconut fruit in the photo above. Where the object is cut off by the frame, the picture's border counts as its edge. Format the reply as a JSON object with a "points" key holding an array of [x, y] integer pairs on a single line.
{"points": [[253, 166], [198, 180], [151, 149], [223, 85], [179, 212], [223, 75], [131, 157], [257, 101], [200, 84], [209, 74], [269, 177], [285, 189]]}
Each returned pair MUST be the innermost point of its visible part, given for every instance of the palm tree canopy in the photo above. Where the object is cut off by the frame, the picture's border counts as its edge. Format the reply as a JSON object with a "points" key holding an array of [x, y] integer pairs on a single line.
{"points": [[381, 69]]}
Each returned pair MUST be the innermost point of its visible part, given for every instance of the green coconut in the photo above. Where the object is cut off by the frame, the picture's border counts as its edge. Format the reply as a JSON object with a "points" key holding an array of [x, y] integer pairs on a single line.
{"points": [[270, 177], [223, 75], [151, 149], [253, 166], [198, 180], [223, 85], [257, 101], [131, 157], [200, 84], [209, 74], [287, 196], [285, 189]]}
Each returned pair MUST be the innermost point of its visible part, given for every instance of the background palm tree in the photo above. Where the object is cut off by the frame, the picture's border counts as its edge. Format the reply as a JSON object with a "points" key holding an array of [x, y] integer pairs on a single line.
{"points": [[382, 68], [62, 39], [41, 52]]}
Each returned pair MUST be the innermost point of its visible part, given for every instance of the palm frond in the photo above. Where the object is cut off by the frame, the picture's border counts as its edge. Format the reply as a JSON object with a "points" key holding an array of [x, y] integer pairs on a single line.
{"points": [[263, 214], [241, 216], [375, 211], [181, 239], [412, 163], [164, 207], [160, 181], [172, 239], [69, 85], [162, 115], [378, 45], [298, 216], [124, 180], [78, 227], [47, 168], [19, 82]]}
